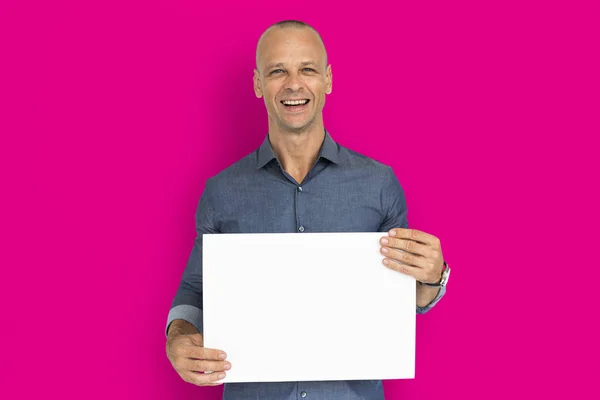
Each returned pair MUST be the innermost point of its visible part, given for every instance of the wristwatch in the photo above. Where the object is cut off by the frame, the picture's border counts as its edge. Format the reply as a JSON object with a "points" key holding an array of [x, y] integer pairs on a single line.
{"points": [[443, 281]]}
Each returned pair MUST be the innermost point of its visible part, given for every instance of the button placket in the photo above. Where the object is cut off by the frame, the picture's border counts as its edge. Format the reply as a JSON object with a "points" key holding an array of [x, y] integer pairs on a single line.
{"points": [[299, 226]]}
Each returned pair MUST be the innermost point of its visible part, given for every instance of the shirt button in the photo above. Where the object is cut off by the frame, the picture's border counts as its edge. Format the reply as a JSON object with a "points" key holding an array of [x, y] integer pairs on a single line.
{"points": [[301, 229], [299, 188], [303, 394]]}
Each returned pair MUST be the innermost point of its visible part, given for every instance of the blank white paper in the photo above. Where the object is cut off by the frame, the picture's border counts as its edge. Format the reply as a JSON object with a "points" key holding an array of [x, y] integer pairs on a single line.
{"points": [[307, 307]]}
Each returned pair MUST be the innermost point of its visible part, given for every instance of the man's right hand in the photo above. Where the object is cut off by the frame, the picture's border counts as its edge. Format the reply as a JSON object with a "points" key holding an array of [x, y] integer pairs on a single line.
{"points": [[194, 363]]}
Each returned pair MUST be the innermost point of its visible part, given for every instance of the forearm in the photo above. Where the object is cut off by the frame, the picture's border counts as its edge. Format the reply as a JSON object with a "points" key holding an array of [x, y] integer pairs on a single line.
{"points": [[187, 304], [425, 294], [181, 327]]}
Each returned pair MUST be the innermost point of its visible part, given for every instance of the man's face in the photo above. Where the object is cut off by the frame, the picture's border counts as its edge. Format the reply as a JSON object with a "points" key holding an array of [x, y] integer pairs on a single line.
{"points": [[293, 77]]}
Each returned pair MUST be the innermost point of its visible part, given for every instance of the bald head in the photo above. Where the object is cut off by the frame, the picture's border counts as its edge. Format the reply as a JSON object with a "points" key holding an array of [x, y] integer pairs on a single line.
{"points": [[291, 66], [263, 41]]}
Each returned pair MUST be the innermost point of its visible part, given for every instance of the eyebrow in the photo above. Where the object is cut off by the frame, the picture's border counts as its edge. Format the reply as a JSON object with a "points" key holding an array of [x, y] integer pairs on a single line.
{"points": [[280, 65], [270, 66]]}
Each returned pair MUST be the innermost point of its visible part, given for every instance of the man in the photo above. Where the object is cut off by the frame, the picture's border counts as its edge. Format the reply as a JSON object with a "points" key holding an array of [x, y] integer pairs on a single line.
{"points": [[299, 180]]}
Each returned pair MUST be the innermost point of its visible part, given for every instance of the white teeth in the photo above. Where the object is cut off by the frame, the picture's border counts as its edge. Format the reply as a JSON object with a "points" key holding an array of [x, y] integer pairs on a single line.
{"points": [[294, 102]]}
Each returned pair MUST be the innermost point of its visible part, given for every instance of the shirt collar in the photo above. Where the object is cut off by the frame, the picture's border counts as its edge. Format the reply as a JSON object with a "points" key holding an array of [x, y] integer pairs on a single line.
{"points": [[329, 150]]}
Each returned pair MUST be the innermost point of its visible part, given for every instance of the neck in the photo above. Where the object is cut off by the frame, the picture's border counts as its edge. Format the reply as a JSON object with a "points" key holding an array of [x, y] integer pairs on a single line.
{"points": [[297, 151]]}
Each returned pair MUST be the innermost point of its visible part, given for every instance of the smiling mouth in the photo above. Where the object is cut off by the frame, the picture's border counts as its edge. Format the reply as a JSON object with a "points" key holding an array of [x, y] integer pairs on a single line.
{"points": [[294, 105]]}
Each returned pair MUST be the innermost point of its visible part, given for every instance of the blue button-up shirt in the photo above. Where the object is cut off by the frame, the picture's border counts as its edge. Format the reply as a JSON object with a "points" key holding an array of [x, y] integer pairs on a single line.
{"points": [[343, 192]]}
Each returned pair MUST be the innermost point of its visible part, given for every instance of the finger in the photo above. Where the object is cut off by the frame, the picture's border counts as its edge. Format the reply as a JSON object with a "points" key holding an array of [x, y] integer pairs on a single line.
{"points": [[405, 258], [203, 379], [407, 245], [415, 272], [413, 234], [217, 383], [203, 353], [204, 366]]}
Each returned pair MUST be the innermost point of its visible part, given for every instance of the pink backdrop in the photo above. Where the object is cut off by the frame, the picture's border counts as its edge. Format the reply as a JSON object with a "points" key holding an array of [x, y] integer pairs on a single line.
{"points": [[114, 113]]}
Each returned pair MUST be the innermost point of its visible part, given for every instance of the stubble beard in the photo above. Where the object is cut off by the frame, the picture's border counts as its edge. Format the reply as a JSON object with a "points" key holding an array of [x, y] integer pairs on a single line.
{"points": [[296, 130]]}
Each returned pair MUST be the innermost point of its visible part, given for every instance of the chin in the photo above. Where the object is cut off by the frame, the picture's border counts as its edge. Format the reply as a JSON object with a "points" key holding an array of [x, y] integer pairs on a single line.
{"points": [[297, 125]]}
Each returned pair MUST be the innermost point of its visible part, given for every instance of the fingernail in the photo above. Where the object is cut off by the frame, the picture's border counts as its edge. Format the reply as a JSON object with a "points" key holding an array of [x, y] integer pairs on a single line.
{"points": [[384, 250], [392, 233], [386, 262], [222, 356], [221, 376], [227, 365], [384, 241]]}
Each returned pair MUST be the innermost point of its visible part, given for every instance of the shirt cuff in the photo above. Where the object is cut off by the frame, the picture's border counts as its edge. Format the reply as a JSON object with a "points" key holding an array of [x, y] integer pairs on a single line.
{"points": [[188, 313], [423, 310]]}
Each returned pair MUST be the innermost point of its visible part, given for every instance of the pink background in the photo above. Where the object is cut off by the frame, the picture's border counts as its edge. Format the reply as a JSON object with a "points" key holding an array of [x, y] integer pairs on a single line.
{"points": [[114, 113]]}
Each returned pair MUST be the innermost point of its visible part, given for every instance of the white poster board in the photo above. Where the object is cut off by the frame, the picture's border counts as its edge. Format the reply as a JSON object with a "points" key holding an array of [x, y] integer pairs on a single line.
{"points": [[307, 307]]}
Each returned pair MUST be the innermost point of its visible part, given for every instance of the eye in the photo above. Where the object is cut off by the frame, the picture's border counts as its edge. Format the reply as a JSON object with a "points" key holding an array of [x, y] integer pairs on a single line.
{"points": [[276, 71], [308, 69]]}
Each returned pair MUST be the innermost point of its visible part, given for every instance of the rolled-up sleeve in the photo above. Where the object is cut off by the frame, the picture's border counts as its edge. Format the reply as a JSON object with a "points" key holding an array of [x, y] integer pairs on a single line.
{"points": [[187, 304], [394, 204], [423, 310]]}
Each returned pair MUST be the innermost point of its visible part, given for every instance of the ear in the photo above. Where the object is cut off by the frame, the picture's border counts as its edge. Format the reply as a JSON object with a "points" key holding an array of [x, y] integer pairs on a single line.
{"points": [[328, 83], [257, 89]]}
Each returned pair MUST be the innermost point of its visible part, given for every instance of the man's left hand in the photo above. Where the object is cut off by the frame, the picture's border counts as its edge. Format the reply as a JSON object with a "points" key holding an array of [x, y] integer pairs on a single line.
{"points": [[414, 253]]}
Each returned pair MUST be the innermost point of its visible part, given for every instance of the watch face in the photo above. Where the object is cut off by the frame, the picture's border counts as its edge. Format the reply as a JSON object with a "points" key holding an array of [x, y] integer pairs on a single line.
{"points": [[445, 276]]}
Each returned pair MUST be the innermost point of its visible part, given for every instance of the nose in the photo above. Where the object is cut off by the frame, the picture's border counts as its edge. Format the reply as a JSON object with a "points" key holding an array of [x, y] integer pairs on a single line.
{"points": [[294, 82]]}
